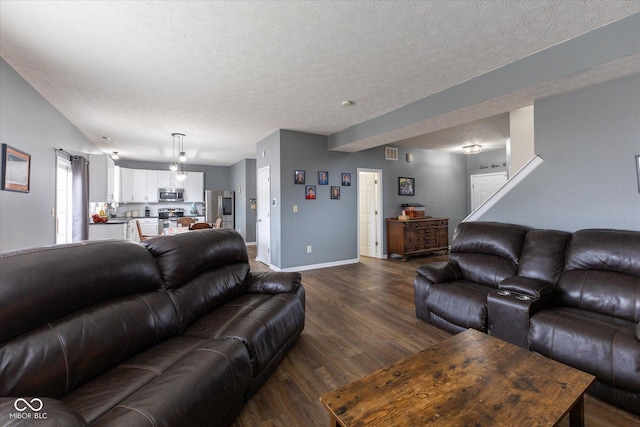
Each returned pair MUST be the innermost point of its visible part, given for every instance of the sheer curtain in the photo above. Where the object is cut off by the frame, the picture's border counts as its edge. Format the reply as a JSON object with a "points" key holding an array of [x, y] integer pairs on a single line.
{"points": [[80, 197]]}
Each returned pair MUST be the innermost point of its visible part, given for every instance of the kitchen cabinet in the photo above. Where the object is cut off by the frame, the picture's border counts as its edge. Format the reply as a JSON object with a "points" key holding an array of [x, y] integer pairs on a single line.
{"points": [[194, 187], [149, 227], [108, 230], [417, 236], [166, 179], [101, 178], [138, 185]]}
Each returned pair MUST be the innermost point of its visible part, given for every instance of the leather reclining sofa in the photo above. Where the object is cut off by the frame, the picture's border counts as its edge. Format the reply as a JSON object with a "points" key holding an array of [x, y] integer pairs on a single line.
{"points": [[572, 297], [176, 331]]}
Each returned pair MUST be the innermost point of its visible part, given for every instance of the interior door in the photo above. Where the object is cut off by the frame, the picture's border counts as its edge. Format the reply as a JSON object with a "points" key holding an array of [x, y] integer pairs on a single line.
{"points": [[263, 226], [369, 209], [484, 185]]}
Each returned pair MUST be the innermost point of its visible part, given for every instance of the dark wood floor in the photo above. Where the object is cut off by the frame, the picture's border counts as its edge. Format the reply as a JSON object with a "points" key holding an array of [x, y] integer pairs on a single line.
{"points": [[359, 318]]}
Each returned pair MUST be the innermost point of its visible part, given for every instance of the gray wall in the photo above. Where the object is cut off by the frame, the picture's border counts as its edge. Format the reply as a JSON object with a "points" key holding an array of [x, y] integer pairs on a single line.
{"points": [[243, 182], [588, 140], [29, 123], [330, 226]]}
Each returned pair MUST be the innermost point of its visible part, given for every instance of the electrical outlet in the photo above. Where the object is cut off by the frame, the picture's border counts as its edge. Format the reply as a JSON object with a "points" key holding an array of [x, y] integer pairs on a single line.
{"points": [[308, 249], [295, 208]]}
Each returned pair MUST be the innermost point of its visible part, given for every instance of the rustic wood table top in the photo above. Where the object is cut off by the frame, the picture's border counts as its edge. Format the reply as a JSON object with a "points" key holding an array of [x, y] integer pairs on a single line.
{"points": [[468, 379]]}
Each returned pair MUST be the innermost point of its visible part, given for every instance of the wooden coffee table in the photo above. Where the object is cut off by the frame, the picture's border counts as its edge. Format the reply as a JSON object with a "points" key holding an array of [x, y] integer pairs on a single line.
{"points": [[468, 379]]}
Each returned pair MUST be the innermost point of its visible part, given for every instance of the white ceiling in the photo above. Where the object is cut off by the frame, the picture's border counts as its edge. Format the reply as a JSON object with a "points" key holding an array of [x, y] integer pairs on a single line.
{"points": [[229, 73]]}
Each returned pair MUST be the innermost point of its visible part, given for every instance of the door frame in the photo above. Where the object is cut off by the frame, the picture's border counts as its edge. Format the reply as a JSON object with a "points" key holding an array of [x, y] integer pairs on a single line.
{"points": [[264, 204], [380, 216]]}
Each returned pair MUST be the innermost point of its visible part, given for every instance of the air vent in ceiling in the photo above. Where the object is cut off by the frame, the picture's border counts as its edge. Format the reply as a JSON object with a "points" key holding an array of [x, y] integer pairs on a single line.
{"points": [[390, 153]]}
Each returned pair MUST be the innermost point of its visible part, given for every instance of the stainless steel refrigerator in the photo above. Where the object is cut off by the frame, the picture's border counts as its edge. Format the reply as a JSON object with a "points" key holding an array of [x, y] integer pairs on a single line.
{"points": [[220, 204]]}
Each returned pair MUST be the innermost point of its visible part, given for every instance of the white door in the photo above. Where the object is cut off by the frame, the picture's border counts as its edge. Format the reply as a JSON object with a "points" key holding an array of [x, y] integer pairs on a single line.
{"points": [[369, 213], [63, 201], [263, 227], [484, 185]]}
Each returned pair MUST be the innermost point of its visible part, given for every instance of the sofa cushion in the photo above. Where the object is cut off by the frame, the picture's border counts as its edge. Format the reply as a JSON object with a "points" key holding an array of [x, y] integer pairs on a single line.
{"points": [[602, 345], [75, 276], [460, 302], [543, 255], [262, 322], [487, 252], [181, 381], [57, 357], [602, 273]]}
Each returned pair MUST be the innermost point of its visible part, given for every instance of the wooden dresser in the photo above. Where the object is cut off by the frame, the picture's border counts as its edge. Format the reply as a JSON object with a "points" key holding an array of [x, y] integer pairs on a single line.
{"points": [[417, 236]]}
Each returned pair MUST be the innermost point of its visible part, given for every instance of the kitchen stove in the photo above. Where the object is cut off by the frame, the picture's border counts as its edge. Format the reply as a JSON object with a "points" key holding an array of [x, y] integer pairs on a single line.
{"points": [[168, 218]]}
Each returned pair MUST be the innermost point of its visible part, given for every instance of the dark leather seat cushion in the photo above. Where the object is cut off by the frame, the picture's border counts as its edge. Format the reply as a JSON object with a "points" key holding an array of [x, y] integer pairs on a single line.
{"points": [[166, 385], [602, 345], [460, 302]]}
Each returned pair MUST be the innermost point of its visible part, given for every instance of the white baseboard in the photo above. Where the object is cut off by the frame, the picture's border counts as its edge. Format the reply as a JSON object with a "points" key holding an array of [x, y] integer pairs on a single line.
{"points": [[315, 266]]}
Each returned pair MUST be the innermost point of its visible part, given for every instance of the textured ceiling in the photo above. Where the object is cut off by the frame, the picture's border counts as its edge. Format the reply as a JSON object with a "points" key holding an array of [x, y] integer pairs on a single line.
{"points": [[228, 74]]}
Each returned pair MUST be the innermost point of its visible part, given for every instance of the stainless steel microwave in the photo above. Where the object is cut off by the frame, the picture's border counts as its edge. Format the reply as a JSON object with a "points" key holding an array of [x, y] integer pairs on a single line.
{"points": [[170, 194]]}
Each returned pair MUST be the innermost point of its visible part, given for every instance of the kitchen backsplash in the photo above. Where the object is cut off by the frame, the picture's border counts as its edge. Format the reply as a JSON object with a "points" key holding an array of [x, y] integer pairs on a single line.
{"points": [[122, 209]]}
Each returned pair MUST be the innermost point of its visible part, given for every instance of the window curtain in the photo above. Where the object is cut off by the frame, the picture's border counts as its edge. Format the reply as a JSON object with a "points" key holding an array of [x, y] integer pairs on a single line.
{"points": [[80, 197]]}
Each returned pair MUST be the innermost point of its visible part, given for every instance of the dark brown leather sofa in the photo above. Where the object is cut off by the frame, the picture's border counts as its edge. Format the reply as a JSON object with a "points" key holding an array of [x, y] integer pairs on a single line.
{"points": [[173, 332], [573, 297]]}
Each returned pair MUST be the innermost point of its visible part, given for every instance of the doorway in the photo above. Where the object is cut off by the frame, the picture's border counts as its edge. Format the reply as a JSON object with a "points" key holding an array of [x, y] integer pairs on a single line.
{"points": [[484, 185], [370, 213], [263, 225], [63, 201]]}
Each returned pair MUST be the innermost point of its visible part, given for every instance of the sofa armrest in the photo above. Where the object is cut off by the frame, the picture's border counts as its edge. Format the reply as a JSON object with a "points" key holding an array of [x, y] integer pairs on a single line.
{"points": [[272, 282], [527, 286], [41, 412], [439, 272]]}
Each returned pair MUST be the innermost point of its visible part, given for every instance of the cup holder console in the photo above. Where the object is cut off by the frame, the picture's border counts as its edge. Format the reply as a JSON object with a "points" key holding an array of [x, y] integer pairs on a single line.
{"points": [[503, 292]]}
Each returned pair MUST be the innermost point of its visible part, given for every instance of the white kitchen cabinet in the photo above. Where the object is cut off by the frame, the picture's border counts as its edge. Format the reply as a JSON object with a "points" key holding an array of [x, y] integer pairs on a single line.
{"points": [[194, 187], [149, 227], [138, 185], [108, 231], [166, 179], [101, 178]]}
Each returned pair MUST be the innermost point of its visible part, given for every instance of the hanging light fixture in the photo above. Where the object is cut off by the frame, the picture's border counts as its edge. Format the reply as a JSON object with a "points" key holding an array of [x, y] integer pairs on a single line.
{"points": [[115, 155], [177, 137]]}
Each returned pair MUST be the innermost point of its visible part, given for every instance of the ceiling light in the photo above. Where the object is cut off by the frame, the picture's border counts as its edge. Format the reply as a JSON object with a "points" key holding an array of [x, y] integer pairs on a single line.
{"points": [[347, 103], [173, 167], [178, 138], [115, 155], [182, 156], [471, 149]]}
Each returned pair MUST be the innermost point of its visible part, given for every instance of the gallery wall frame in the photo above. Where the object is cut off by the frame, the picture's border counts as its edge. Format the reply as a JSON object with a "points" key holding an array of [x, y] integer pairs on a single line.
{"points": [[406, 186], [16, 169]]}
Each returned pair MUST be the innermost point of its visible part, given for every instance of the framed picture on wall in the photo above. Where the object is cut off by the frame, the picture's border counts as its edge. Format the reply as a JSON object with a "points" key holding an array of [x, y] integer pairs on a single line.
{"points": [[638, 170], [298, 177], [16, 169], [335, 192], [406, 186], [346, 179], [323, 178], [310, 192]]}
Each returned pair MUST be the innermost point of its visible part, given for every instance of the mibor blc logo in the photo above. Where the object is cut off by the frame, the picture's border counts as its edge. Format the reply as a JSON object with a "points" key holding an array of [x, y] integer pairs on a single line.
{"points": [[28, 409]]}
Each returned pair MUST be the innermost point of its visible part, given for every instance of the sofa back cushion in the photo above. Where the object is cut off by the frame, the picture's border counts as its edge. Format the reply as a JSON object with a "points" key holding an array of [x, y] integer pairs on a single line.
{"points": [[602, 273], [201, 269], [487, 252], [543, 255], [71, 312]]}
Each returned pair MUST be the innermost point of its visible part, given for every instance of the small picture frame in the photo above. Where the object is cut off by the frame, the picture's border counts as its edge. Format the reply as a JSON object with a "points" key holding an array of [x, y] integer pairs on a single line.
{"points": [[16, 169], [299, 177], [406, 186], [310, 192], [335, 192], [346, 179], [323, 178], [638, 170]]}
